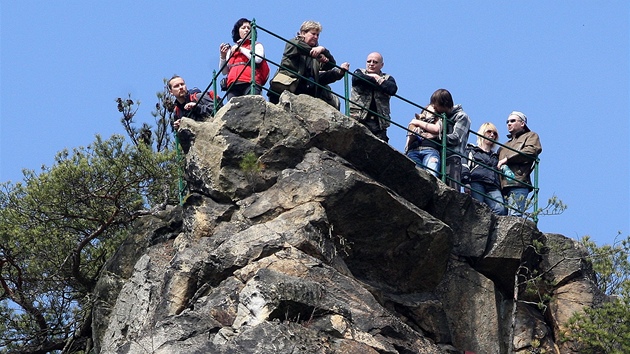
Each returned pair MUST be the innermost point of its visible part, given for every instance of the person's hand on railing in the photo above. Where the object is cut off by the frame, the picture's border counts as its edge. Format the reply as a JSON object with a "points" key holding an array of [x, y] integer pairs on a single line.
{"points": [[316, 53], [345, 66], [378, 78]]}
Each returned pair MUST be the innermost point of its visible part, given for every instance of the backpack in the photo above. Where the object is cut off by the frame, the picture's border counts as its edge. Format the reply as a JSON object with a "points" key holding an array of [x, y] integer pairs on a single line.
{"points": [[193, 93]]}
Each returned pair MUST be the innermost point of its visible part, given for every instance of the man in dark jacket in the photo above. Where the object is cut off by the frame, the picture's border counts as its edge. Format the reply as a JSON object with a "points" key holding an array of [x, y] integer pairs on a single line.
{"points": [[371, 91], [457, 127], [303, 55], [187, 102], [190, 104], [524, 147]]}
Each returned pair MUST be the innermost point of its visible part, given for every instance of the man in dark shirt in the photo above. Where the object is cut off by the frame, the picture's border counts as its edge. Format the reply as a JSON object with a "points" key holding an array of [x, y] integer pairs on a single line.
{"points": [[371, 91], [187, 102]]}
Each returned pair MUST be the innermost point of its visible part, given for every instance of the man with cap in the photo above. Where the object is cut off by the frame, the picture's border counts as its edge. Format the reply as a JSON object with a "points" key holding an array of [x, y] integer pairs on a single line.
{"points": [[519, 154]]}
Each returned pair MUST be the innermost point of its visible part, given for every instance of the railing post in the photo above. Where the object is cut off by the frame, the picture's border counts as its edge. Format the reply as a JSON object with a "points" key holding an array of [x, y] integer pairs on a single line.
{"points": [[252, 89], [536, 164], [215, 103], [346, 87], [443, 140], [180, 182]]}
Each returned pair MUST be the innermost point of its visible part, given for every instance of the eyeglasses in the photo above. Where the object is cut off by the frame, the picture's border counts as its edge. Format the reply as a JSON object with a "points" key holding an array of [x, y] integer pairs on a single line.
{"points": [[491, 132], [510, 121], [373, 61]]}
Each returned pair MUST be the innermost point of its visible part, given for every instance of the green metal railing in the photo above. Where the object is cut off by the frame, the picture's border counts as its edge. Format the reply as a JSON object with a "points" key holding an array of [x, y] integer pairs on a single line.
{"points": [[445, 150]]}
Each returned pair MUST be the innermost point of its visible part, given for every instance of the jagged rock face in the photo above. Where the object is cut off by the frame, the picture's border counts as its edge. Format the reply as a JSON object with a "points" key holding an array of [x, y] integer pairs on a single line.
{"points": [[330, 242]]}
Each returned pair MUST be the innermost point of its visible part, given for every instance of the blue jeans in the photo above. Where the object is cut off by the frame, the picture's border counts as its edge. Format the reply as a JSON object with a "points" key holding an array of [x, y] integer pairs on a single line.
{"points": [[429, 158], [516, 197], [477, 191]]}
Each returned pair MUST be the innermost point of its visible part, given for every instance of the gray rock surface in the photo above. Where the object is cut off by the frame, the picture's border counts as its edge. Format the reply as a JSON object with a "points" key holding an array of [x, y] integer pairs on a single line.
{"points": [[330, 241]]}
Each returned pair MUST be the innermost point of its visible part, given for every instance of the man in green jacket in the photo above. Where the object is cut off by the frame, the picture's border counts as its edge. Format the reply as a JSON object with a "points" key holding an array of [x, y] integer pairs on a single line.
{"points": [[303, 55]]}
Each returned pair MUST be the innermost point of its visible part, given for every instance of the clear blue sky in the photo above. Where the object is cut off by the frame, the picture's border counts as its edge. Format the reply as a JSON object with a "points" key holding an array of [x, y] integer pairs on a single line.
{"points": [[565, 64]]}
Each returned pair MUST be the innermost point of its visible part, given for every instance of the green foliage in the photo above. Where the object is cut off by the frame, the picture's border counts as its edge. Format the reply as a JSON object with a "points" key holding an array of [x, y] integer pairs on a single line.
{"points": [[611, 264], [606, 329], [249, 163], [156, 137], [58, 227], [554, 206], [251, 167]]}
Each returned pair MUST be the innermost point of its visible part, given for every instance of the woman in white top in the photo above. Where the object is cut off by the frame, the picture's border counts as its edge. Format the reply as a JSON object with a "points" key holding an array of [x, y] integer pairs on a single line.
{"points": [[237, 57]]}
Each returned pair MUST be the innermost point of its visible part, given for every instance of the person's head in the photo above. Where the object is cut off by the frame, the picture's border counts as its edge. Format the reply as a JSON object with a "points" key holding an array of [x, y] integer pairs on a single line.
{"points": [[488, 130], [241, 29], [517, 122], [310, 31], [442, 101], [177, 87], [374, 63]]}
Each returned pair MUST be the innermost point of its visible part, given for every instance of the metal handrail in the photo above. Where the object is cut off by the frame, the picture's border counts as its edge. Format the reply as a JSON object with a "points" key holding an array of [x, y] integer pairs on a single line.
{"points": [[444, 151]]}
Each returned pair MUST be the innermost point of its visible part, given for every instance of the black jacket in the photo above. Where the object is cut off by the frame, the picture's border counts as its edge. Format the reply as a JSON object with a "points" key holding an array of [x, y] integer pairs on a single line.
{"points": [[201, 111], [480, 166]]}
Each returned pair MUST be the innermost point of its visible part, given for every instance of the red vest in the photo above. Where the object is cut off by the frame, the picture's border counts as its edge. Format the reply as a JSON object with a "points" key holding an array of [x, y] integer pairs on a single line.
{"points": [[240, 70]]}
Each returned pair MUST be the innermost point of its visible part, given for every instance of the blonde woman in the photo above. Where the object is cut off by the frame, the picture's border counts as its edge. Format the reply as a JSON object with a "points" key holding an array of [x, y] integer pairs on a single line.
{"points": [[478, 170]]}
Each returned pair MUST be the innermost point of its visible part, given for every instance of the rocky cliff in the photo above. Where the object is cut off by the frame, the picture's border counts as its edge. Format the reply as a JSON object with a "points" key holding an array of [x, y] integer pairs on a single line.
{"points": [[303, 233]]}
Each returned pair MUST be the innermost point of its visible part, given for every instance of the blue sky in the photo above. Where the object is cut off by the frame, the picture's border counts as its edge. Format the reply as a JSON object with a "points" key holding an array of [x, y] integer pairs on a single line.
{"points": [[564, 64]]}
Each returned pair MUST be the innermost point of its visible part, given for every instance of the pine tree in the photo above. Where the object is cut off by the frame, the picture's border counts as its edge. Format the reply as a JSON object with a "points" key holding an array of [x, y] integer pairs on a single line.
{"points": [[60, 225], [606, 329]]}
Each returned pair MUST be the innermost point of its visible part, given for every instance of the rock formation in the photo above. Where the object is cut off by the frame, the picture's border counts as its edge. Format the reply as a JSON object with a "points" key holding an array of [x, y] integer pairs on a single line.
{"points": [[303, 233]]}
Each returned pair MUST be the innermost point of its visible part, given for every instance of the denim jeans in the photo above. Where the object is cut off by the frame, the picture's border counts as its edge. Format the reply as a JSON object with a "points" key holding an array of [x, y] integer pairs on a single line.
{"points": [[491, 192], [516, 197], [428, 158]]}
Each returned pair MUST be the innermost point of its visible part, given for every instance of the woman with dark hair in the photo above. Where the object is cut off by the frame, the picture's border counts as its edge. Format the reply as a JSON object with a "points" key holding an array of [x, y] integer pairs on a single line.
{"points": [[421, 147], [237, 57]]}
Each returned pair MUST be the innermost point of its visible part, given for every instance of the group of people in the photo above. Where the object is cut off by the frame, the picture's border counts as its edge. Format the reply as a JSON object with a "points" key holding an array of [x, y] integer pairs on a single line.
{"points": [[498, 178]]}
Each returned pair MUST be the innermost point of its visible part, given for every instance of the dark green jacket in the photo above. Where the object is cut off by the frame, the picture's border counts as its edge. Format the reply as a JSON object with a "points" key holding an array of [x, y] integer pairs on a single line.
{"points": [[296, 58]]}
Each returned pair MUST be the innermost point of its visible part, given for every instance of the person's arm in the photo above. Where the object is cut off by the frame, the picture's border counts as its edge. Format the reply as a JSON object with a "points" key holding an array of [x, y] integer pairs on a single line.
{"points": [[359, 79], [375, 81], [260, 52], [226, 53], [296, 47], [335, 74], [326, 59], [460, 131], [389, 86], [531, 147], [433, 128]]}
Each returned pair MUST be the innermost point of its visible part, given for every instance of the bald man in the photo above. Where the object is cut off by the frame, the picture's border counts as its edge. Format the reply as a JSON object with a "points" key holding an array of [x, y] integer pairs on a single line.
{"points": [[371, 90]]}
